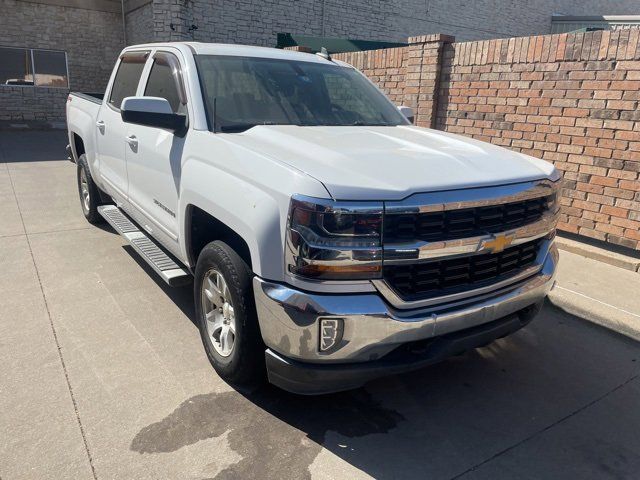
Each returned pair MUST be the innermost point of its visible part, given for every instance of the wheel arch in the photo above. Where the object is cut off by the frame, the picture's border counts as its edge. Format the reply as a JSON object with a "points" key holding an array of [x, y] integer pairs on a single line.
{"points": [[77, 145], [202, 228]]}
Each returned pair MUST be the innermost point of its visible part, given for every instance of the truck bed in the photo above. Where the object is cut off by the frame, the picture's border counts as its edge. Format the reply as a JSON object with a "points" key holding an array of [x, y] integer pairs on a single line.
{"points": [[92, 97], [82, 113]]}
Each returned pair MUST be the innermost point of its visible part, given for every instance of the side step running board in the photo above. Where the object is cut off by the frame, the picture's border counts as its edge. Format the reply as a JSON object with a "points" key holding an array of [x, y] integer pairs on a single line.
{"points": [[169, 269]]}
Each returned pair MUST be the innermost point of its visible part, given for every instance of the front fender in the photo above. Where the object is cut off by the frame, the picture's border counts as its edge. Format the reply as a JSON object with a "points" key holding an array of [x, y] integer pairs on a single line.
{"points": [[246, 209], [258, 225], [246, 191]]}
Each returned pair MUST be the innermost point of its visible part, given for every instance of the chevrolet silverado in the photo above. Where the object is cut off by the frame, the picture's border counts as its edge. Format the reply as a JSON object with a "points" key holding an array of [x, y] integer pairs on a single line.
{"points": [[329, 241]]}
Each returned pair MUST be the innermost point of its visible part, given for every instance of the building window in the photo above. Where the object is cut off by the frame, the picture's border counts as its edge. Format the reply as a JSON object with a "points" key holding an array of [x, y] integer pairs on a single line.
{"points": [[15, 66], [50, 68], [33, 67]]}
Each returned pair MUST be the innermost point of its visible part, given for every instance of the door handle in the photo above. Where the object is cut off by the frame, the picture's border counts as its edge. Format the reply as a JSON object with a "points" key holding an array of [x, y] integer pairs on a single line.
{"points": [[100, 126], [132, 140]]}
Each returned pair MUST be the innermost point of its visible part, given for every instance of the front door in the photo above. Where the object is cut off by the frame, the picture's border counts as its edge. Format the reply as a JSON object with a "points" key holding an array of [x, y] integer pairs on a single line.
{"points": [[111, 130], [154, 164]]}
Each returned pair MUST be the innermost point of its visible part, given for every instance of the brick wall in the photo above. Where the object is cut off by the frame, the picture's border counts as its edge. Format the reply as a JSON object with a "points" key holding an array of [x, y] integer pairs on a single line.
{"points": [[408, 75], [386, 67], [92, 40], [571, 99]]}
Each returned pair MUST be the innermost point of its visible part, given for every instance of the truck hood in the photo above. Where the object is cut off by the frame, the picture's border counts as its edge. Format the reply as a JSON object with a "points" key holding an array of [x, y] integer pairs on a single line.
{"points": [[389, 163]]}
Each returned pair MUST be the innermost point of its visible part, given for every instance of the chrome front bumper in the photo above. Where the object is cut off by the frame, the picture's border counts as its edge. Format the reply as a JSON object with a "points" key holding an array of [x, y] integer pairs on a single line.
{"points": [[289, 318]]}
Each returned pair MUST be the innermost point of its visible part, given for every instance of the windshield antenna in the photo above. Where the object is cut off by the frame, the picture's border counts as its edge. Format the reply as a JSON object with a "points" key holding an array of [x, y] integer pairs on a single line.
{"points": [[324, 54]]}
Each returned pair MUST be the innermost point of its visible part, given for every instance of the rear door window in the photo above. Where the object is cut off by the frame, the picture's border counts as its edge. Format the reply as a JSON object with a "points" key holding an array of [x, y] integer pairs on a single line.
{"points": [[127, 78]]}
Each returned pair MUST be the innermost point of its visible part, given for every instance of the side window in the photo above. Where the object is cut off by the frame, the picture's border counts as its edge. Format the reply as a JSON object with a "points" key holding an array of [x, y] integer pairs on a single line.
{"points": [[162, 84], [127, 78]]}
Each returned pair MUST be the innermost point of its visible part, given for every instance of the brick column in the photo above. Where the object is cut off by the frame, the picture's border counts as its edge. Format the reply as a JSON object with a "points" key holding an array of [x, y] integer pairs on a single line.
{"points": [[423, 76]]}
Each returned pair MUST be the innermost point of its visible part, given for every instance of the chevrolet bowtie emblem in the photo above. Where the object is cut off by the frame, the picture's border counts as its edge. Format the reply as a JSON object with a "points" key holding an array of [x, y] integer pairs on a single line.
{"points": [[497, 244]]}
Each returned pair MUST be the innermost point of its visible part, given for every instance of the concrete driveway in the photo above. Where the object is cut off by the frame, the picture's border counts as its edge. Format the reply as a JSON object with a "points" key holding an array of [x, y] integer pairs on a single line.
{"points": [[103, 376]]}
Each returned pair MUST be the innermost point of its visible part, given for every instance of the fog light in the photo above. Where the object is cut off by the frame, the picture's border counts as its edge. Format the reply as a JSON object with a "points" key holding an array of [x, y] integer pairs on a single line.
{"points": [[331, 330]]}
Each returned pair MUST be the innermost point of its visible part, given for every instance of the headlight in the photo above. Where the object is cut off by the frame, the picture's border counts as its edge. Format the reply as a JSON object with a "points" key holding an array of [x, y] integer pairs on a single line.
{"points": [[553, 203], [329, 240]]}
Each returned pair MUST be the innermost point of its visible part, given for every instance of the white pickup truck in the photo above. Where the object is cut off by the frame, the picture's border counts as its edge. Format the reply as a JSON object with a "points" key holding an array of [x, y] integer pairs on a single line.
{"points": [[329, 241]]}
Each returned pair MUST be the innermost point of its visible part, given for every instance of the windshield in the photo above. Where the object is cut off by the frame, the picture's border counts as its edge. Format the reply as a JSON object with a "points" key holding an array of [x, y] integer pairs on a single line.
{"points": [[242, 92]]}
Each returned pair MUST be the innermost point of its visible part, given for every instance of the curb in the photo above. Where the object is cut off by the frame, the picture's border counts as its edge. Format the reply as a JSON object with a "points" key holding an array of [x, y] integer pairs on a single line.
{"points": [[606, 256], [595, 311]]}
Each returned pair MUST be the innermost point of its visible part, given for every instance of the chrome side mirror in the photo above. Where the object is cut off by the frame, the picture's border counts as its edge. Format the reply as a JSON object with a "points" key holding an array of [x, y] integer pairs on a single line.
{"points": [[152, 112]]}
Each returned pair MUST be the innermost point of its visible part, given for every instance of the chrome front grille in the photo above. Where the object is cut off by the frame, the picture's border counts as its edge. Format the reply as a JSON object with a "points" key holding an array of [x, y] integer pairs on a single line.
{"points": [[448, 246], [454, 275], [465, 222]]}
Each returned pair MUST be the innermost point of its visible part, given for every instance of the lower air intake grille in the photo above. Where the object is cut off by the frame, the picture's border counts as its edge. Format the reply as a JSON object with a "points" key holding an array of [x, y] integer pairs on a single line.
{"points": [[436, 278]]}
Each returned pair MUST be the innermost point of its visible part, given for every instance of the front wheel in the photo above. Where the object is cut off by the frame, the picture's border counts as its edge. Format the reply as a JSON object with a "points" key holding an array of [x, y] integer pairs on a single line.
{"points": [[226, 315]]}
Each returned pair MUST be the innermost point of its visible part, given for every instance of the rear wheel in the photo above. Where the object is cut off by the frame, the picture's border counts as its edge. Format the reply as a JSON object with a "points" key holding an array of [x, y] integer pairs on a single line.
{"points": [[89, 193], [226, 315]]}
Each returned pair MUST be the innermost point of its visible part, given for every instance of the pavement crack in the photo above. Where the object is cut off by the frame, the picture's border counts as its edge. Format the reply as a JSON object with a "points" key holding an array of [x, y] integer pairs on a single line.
{"points": [[11, 235], [548, 427], [55, 334]]}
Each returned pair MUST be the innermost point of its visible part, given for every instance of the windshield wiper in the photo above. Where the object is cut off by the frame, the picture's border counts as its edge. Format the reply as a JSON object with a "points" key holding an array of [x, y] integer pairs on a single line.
{"points": [[242, 127], [360, 123]]}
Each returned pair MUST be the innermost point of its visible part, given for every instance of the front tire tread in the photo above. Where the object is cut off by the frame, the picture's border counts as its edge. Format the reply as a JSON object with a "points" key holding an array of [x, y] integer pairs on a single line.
{"points": [[245, 364]]}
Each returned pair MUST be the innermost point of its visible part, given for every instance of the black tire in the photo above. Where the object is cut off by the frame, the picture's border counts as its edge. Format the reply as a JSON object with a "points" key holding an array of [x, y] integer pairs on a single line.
{"points": [[245, 364], [89, 205]]}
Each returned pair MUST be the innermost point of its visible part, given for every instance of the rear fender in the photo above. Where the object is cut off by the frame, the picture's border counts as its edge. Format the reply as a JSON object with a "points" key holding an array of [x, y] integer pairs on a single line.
{"points": [[82, 122]]}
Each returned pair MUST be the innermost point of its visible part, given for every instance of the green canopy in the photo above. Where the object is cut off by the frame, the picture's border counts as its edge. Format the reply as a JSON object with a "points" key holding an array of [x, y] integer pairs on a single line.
{"points": [[332, 44]]}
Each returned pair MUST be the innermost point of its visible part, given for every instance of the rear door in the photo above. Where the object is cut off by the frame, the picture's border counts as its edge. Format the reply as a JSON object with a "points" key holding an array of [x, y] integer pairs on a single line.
{"points": [[155, 166], [111, 130]]}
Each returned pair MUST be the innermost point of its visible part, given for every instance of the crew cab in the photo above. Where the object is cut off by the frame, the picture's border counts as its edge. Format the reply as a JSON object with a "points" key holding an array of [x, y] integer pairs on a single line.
{"points": [[329, 241]]}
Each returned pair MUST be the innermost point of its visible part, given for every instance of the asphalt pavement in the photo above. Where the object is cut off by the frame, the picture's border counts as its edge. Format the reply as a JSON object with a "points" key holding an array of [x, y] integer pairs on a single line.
{"points": [[103, 375]]}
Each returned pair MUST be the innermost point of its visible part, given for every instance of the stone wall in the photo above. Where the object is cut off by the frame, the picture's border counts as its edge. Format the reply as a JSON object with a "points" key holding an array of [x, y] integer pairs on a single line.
{"points": [[92, 40], [139, 25], [44, 107], [485, 19], [256, 22]]}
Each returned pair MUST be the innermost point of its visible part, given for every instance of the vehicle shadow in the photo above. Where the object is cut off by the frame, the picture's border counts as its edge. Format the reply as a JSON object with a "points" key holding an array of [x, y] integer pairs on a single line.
{"points": [[461, 415], [181, 296], [29, 146]]}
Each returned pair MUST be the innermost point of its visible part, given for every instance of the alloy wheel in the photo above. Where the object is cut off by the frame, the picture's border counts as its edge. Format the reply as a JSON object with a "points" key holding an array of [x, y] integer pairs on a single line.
{"points": [[84, 190], [219, 313]]}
